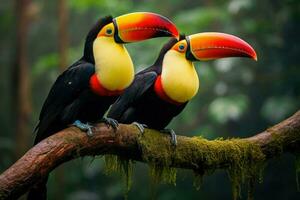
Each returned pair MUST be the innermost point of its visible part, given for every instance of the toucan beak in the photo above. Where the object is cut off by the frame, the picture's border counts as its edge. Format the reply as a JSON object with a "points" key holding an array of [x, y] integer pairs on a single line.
{"points": [[140, 26], [209, 46]]}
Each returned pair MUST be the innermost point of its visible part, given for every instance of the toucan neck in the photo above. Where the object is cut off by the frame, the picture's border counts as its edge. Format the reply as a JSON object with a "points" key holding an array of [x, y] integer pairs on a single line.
{"points": [[91, 36], [179, 78], [113, 64], [88, 55]]}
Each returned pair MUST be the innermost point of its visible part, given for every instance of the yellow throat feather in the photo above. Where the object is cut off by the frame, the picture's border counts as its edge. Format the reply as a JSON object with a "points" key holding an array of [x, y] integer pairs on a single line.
{"points": [[113, 64], [179, 77]]}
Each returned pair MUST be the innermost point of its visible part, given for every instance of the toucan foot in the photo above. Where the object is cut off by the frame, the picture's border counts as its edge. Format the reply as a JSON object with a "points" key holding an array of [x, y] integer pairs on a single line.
{"points": [[110, 122], [172, 134], [141, 127], [84, 127]]}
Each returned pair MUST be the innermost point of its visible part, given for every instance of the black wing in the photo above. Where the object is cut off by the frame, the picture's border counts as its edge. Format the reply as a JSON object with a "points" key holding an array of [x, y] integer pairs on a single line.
{"points": [[142, 82], [65, 90]]}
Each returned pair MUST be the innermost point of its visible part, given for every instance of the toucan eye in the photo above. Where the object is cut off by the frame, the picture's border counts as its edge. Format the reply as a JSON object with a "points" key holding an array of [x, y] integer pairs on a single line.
{"points": [[109, 31], [181, 47]]}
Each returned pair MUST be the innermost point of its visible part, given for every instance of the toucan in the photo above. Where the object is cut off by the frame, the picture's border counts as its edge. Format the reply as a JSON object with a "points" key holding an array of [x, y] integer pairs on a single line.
{"points": [[83, 93], [161, 91]]}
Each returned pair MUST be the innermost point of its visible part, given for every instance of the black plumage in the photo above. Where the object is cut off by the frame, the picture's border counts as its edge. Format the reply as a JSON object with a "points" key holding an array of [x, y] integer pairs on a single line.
{"points": [[141, 104], [79, 96], [71, 98]]}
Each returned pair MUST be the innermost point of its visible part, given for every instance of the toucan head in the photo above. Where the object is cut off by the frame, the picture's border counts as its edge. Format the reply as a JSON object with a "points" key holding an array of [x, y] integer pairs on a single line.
{"points": [[132, 27], [179, 78], [213, 45], [105, 45]]}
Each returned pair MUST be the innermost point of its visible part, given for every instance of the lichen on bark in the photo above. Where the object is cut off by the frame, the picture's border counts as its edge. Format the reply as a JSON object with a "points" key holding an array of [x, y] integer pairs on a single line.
{"points": [[121, 165], [242, 159], [198, 154]]}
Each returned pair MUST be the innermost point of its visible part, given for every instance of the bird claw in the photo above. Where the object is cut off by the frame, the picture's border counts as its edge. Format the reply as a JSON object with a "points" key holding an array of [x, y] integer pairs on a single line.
{"points": [[173, 136], [110, 122], [89, 131], [87, 128], [141, 127]]}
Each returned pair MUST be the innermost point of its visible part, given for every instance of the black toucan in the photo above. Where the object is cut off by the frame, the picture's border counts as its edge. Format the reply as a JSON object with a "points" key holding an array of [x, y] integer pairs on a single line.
{"points": [[161, 91], [83, 93], [87, 88]]}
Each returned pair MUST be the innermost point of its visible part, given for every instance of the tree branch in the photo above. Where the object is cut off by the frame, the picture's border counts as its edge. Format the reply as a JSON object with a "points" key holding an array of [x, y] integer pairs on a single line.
{"points": [[153, 147]]}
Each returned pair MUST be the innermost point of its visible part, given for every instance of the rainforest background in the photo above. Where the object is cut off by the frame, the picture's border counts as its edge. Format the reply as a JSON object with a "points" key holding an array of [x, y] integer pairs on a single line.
{"points": [[237, 97]]}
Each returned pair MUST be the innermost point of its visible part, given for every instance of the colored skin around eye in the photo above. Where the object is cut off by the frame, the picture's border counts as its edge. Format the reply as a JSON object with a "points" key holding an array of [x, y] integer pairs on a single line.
{"points": [[181, 47], [108, 31]]}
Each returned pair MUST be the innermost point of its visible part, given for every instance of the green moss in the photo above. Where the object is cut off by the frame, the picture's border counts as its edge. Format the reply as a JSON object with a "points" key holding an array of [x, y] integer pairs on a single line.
{"points": [[158, 157], [165, 174], [276, 145], [160, 174], [198, 179], [277, 148], [121, 165], [242, 159]]}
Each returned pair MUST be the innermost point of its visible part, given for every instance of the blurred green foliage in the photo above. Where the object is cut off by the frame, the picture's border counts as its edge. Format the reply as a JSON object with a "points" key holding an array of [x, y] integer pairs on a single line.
{"points": [[237, 97]]}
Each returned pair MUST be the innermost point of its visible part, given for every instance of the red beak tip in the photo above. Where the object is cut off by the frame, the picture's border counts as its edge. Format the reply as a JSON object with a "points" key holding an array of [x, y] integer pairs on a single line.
{"points": [[255, 58]]}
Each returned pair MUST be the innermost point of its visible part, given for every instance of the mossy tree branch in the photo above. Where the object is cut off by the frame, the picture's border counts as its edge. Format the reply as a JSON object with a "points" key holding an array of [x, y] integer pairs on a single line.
{"points": [[153, 147]]}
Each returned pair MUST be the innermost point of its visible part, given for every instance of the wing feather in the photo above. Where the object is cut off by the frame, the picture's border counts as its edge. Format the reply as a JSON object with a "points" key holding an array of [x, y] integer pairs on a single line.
{"points": [[142, 82], [63, 93]]}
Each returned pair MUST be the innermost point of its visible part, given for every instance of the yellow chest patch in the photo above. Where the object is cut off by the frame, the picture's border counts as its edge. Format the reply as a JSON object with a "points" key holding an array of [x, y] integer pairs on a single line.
{"points": [[113, 64], [179, 77]]}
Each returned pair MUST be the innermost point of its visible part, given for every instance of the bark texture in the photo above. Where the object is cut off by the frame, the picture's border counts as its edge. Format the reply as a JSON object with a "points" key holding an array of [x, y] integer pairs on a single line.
{"points": [[153, 147]]}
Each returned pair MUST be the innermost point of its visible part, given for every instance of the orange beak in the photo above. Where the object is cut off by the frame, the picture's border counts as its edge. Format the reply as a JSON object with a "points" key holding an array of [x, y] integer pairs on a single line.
{"points": [[140, 26], [209, 46]]}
